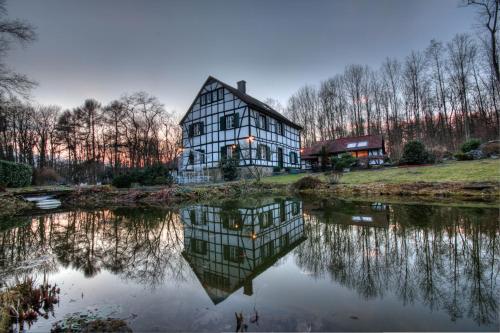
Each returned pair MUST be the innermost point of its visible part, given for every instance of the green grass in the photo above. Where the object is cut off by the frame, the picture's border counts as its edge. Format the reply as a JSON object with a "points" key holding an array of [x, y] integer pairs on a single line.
{"points": [[466, 171], [41, 189]]}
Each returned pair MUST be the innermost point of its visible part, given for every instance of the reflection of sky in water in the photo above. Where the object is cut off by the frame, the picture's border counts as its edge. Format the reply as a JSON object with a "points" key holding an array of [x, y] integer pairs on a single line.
{"points": [[338, 278]]}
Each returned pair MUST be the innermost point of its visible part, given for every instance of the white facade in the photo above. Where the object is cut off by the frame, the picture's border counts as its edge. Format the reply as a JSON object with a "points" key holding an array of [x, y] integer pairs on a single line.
{"points": [[219, 123]]}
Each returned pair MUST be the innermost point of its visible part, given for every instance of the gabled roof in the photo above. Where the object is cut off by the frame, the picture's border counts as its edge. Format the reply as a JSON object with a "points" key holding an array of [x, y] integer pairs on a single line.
{"points": [[341, 145], [251, 101]]}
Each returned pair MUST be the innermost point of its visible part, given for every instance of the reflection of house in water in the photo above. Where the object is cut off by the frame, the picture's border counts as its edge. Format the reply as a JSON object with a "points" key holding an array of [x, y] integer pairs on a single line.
{"points": [[359, 213], [228, 246]]}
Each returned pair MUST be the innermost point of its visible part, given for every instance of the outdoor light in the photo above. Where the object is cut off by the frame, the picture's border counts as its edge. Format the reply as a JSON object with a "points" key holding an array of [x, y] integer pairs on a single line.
{"points": [[250, 138]]}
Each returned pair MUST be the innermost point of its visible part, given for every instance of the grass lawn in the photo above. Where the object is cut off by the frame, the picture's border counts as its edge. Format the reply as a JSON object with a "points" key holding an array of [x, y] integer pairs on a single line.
{"points": [[466, 171]]}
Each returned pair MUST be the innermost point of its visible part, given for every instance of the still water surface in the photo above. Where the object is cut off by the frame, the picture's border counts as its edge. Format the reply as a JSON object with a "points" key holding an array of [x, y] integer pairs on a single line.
{"points": [[298, 265]]}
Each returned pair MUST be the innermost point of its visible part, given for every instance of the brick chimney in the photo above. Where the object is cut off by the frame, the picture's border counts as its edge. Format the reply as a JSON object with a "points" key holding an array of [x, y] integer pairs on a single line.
{"points": [[242, 86]]}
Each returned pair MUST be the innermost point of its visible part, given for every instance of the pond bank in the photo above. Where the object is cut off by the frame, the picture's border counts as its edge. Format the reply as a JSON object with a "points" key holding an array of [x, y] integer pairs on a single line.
{"points": [[103, 196]]}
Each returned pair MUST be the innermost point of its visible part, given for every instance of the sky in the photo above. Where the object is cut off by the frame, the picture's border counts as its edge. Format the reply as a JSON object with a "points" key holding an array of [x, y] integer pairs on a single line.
{"points": [[104, 48]]}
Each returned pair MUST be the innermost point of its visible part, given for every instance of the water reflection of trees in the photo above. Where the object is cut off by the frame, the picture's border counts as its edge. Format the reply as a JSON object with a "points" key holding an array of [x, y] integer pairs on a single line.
{"points": [[445, 257], [140, 245]]}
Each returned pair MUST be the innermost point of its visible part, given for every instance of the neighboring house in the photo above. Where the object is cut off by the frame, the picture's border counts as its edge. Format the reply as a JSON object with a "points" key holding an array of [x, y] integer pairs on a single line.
{"points": [[224, 122], [368, 149], [227, 247]]}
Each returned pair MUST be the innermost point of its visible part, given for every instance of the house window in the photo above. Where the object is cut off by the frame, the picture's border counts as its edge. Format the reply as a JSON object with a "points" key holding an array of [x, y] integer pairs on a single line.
{"points": [[267, 250], [284, 240], [230, 151], [265, 219], [234, 253], [196, 129], [263, 152], [279, 128], [295, 208], [262, 121], [191, 158], [293, 157], [362, 144], [198, 246], [212, 96], [200, 154], [216, 280], [232, 220], [229, 121]]}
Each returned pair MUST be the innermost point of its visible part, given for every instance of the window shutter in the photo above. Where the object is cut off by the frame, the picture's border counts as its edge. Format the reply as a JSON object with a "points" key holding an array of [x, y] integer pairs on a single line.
{"points": [[259, 155], [268, 153], [266, 124], [202, 128], [236, 120], [222, 123], [223, 153], [236, 152], [190, 130], [226, 252]]}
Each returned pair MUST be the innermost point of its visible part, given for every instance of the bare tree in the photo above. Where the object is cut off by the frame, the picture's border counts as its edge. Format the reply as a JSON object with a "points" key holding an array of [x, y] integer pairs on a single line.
{"points": [[11, 32], [488, 11]]}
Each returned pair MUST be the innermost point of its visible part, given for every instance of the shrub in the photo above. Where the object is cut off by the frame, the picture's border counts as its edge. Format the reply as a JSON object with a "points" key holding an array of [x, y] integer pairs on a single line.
{"points": [[470, 145], [46, 176], [344, 161], [463, 156], [15, 174], [276, 169], [414, 152], [122, 181], [153, 175], [307, 183], [229, 168]]}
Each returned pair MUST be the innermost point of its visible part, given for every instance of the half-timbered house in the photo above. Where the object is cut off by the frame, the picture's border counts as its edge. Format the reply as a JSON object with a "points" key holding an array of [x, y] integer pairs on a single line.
{"points": [[224, 122]]}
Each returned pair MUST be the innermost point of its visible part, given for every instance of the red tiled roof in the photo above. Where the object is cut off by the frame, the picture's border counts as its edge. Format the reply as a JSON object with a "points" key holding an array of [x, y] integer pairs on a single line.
{"points": [[340, 145]]}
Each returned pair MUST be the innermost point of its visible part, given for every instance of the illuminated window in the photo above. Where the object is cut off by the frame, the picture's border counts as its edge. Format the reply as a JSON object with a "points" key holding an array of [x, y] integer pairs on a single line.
{"points": [[351, 145]]}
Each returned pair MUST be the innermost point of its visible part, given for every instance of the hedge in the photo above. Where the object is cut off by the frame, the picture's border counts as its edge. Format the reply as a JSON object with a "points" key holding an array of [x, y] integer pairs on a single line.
{"points": [[15, 174]]}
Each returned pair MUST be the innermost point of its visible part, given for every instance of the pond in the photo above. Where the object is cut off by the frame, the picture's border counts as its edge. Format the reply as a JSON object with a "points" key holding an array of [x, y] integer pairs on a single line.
{"points": [[285, 264]]}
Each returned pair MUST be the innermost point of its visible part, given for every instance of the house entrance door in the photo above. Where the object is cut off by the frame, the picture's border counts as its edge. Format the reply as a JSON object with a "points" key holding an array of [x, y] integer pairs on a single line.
{"points": [[280, 158]]}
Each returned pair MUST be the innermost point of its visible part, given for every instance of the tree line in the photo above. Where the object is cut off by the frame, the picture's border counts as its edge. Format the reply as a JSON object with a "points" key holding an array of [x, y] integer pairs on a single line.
{"points": [[92, 141], [442, 95]]}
